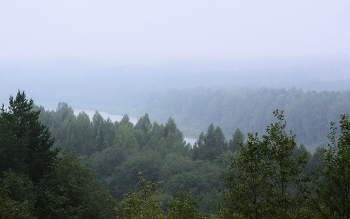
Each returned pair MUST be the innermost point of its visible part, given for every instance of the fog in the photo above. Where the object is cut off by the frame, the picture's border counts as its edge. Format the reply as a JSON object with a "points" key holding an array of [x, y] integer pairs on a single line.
{"points": [[122, 89], [113, 55], [154, 32]]}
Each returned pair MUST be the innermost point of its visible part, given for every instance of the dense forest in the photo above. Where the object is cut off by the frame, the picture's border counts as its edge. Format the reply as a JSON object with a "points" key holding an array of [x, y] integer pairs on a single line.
{"points": [[308, 112], [55, 164]]}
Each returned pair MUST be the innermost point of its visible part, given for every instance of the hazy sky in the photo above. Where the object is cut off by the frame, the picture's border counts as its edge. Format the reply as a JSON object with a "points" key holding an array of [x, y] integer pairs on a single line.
{"points": [[179, 30]]}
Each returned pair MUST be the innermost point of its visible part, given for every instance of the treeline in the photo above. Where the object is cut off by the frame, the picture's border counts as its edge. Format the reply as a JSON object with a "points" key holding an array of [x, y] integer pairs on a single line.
{"points": [[308, 113], [151, 172]]}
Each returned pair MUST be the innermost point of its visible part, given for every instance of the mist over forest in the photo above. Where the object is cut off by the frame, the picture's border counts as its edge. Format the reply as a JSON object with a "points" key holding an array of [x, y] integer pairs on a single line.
{"points": [[195, 94], [174, 109], [85, 82]]}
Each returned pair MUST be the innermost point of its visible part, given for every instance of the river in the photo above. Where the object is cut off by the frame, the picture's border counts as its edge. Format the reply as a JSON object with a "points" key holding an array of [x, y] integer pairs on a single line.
{"points": [[114, 118]]}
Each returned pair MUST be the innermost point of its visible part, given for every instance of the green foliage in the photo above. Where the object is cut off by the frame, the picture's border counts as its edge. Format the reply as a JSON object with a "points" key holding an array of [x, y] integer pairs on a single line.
{"points": [[144, 124], [99, 132], [270, 177], [20, 187], [126, 121], [236, 141], [200, 178], [141, 204], [34, 182], [265, 179], [124, 178], [171, 127], [315, 162], [174, 164], [247, 181], [125, 137], [61, 123], [10, 209], [145, 203], [184, 206], [286, 170], [25, 142], [210, 145], [308, 112], [82, 135], [334, 190], [105, 161], [16, 197], [72, 190]]}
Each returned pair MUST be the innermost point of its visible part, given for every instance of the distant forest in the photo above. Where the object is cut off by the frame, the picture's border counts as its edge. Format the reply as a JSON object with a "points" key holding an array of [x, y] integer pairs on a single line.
{"points": [[308, 113], [87, 84]]}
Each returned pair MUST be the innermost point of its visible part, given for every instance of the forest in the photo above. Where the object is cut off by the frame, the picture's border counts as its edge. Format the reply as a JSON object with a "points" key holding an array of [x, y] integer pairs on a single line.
{"points": [[55, 164], [308, 112]]}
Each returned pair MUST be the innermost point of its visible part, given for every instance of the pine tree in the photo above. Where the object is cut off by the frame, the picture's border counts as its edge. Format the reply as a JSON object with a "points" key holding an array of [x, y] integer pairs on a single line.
{"points": [[24, 142]]}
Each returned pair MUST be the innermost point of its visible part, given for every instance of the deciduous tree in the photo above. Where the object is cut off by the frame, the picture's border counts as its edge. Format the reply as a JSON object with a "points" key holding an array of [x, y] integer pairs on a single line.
{"points": [[334, 191]]}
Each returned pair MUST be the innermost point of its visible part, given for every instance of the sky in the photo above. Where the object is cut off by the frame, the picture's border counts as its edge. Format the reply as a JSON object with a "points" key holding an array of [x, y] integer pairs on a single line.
{"points": [[150, 31]]}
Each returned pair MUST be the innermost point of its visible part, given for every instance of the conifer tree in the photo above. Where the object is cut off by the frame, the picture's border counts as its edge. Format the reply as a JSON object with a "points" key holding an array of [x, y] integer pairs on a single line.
{"points": [[236, 141], [24, 142]]}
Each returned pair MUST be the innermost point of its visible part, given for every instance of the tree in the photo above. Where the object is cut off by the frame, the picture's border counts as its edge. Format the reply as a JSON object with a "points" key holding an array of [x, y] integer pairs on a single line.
{"points": [[63, 119], [198, 146], [247, 182], [142, 130], [125, 138], [110, 130], [212, 144], [82, 135], [105, 161], [334, 191], [288, 183], [125, 178], [172, 133], [142, 204], [265, 178], [144, 124], [236, 141], [157, 132], [126, 121], [17, 197], [184, 206], [25, 142], [72, 190], [99, 132]]}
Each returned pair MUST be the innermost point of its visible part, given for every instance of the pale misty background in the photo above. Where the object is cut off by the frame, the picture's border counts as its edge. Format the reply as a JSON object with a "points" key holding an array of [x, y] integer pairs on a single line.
{"points": [[155, 32], [114, 55]]}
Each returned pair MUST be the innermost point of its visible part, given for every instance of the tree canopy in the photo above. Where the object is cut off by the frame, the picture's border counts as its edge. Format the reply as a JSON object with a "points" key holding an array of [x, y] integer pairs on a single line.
{"points": [[91, 169]]}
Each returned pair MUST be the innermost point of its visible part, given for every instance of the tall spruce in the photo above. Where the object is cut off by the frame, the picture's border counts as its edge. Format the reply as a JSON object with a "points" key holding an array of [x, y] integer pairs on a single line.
{"points": [[24, 142]]}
